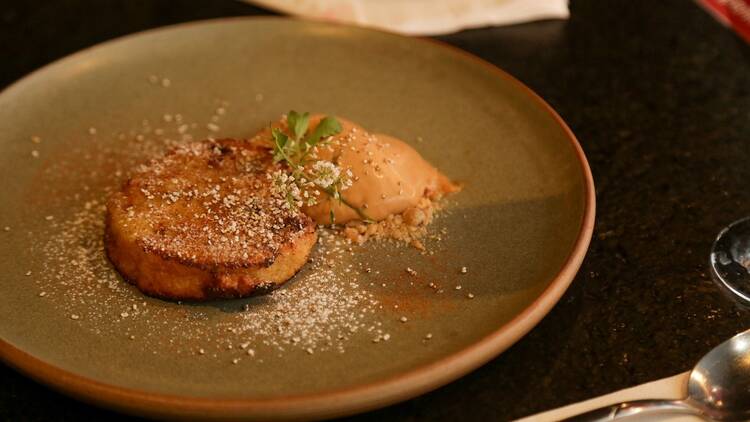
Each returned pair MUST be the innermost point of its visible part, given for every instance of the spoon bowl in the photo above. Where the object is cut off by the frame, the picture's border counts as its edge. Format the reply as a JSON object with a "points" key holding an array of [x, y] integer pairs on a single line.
{"points": [[719, 385]]}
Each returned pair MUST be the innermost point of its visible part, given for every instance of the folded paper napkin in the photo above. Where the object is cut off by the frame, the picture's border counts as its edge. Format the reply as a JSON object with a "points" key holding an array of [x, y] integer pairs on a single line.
{"points": [[422, 17], [668, 388]]}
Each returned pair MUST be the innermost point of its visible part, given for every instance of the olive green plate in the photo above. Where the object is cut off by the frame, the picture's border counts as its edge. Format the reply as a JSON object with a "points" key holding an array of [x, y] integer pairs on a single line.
{"points": [[521, 225]]}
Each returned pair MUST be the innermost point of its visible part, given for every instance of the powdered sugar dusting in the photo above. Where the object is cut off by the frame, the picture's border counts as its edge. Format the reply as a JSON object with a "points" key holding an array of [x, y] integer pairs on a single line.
{"points": [[320, 311]]}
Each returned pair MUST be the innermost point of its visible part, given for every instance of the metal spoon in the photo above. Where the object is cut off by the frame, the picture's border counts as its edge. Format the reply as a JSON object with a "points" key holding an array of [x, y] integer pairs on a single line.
{"points": [[719, 385], [718, 389]]}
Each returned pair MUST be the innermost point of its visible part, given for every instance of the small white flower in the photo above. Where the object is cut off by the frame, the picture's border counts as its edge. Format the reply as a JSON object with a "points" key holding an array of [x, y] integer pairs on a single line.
{"points": [[326, 173], [287, 193]]}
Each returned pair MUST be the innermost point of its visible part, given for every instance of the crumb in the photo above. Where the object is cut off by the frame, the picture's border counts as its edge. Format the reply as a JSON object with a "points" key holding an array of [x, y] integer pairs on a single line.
{"points": [[409, 227], [458, 287], [403, 319], [464, 270], [470, 296], [428, 336], [35, 154]]}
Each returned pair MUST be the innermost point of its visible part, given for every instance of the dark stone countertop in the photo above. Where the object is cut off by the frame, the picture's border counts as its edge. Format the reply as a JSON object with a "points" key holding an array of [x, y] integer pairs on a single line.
{"points": [[658, 95]]}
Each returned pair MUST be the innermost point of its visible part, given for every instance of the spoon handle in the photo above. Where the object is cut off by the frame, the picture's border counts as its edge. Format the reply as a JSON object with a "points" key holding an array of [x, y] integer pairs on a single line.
{"points": [[636, 407]]}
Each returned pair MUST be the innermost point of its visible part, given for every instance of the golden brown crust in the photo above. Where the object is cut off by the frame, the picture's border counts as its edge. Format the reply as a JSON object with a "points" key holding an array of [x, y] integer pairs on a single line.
{"points": [[203, 222]]}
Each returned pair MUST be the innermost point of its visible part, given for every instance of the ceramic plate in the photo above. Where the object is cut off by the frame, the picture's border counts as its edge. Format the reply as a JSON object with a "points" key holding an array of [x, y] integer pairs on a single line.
{"points": [[334, 341]]}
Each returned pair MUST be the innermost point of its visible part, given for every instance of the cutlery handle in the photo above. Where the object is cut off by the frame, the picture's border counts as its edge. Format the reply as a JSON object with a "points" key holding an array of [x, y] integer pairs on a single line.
{"points": [[637, 407]]}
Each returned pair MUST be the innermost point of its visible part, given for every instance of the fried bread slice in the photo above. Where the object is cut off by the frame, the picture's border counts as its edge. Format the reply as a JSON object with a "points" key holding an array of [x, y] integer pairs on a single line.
{"points": [[204, 222]]}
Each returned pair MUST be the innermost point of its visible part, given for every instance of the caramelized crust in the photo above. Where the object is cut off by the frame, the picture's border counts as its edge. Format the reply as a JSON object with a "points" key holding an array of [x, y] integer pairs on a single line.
{"points": [[204, 222]]}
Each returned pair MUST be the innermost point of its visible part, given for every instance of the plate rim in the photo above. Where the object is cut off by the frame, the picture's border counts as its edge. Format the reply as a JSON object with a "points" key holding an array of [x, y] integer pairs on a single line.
{"points": [[330, 403]]}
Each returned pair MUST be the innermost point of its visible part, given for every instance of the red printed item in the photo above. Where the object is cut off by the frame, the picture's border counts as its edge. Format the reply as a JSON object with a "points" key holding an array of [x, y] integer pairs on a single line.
{"points": [[732, 13]]}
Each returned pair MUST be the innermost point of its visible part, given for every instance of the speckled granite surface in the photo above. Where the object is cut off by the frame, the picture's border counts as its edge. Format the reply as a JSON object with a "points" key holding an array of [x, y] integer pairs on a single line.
{"points": [[658, 95]]}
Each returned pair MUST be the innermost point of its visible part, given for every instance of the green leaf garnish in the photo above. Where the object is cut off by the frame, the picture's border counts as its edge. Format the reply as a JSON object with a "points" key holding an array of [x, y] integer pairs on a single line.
{"points": [[280, 140], [298, 123], [329, 126]]}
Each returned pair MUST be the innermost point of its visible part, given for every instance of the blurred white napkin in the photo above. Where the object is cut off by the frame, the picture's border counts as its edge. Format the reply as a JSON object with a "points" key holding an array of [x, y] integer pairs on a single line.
{"points": [[422, 17], [668, 388]]}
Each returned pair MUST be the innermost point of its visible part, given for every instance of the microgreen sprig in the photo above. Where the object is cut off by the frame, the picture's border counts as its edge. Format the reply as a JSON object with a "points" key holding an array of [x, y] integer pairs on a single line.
{"points": [[294, 148]]}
